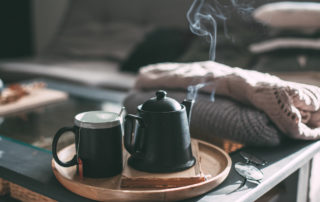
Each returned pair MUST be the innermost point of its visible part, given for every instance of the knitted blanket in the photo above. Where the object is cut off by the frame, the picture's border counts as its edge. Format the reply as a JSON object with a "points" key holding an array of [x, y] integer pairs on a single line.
{"points": [[292, 107], [222, 118]]}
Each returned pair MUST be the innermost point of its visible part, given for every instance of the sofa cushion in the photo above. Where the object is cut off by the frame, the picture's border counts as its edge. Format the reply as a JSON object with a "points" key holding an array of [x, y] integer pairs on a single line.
{"points": [[160, 45], [109, 30], [292, 15], [112, 41]]}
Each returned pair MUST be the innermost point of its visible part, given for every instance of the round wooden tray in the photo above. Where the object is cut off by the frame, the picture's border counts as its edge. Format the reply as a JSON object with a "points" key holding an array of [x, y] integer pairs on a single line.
{"points": [[214, 162]]}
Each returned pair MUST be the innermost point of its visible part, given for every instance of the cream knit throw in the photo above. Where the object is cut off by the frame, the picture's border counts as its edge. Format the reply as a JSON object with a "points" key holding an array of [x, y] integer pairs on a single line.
{"points": [[293, 107]]}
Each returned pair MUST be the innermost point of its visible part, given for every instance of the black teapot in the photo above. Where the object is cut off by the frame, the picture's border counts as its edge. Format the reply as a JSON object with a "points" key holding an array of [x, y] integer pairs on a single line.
{"points": [[158, 137]]}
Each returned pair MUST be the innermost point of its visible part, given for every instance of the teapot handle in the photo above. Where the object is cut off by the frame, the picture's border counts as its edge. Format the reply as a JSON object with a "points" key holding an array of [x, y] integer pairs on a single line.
{"points": [[129, 133]]}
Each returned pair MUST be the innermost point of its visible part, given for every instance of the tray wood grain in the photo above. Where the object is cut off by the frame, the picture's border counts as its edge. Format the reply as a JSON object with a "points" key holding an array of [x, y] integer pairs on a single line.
{"points": [[215, 163]]}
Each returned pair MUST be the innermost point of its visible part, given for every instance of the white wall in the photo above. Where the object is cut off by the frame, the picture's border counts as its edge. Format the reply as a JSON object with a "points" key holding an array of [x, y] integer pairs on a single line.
{"points": [[47, 16]]}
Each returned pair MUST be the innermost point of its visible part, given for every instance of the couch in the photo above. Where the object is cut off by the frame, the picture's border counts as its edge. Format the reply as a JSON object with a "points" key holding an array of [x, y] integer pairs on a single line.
{"points": [[93, 40], [96, 38]]}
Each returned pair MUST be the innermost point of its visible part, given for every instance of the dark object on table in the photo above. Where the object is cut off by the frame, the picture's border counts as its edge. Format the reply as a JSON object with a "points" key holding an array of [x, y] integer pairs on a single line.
{"points": [[98, 144], [252, 159], [162, 137]]}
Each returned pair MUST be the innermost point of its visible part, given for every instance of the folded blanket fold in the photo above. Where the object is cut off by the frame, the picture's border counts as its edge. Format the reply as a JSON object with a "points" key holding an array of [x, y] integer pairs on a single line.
{"points": [[222, 118], [292, 107]]}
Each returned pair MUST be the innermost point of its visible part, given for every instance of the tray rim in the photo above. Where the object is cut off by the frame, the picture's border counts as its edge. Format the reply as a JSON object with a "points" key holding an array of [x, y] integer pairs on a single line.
{"points": [[223, 174]]}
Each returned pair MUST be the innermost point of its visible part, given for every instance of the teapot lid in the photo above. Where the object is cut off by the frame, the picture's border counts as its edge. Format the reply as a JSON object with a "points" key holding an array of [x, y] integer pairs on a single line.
{"points": [[161, 103]]}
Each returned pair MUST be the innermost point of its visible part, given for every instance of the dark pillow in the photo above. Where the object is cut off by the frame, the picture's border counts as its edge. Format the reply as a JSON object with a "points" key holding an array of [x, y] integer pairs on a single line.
{"points": [[160, 45]]}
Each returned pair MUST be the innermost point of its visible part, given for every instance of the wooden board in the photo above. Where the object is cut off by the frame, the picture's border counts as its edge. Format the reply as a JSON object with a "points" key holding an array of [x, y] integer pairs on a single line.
{"points": [[137, 179], [214, 163], [36, 99]]}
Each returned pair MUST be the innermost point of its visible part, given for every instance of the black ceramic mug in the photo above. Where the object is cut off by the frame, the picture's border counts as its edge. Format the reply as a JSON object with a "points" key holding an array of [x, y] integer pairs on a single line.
{"points": [[98, 142]]}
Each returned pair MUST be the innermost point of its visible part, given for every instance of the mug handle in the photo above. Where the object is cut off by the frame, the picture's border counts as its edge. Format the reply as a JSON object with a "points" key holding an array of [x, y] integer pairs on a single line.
{"points": [[128, 130], [60, 132]]}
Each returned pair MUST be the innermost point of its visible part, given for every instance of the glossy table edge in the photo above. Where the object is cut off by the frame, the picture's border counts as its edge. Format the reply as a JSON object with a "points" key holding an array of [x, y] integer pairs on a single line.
{"points": [[274, 172]]}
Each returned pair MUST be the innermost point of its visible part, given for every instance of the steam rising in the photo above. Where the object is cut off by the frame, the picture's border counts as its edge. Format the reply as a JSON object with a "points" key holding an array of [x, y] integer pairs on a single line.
{"points": [[202, 19], [242, 8], [193, 90], [203, 24]]}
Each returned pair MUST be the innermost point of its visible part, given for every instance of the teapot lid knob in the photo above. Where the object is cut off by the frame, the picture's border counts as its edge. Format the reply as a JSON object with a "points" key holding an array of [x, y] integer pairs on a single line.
{"points": [[160, 94], [161, 103]]}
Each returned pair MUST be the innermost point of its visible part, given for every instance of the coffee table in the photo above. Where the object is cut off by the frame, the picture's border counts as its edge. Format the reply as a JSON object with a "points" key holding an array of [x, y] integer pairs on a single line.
{"points": [[25, 159]]}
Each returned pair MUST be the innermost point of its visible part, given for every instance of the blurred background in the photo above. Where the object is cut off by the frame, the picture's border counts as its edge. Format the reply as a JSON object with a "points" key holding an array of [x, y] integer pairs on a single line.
{"points": [[104, 43], [27, 28], [113, 39]]}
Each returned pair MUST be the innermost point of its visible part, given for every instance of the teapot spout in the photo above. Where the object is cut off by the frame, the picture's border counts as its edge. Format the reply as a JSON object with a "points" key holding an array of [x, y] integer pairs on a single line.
{"points": [[188, 103]]}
